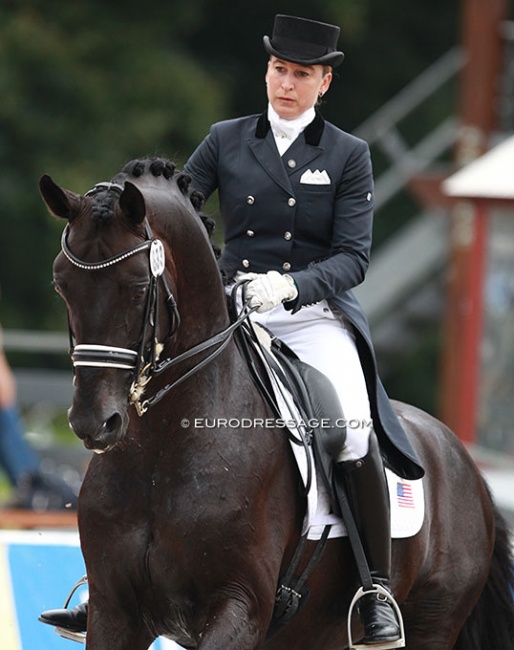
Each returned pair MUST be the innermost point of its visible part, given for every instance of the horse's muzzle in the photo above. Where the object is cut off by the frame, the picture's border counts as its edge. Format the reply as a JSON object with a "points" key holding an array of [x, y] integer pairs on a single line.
{"points": [[98, 435]]}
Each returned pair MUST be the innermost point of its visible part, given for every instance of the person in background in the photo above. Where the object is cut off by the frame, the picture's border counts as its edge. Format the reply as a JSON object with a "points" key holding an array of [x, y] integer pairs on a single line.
{"points": [[32, 488]]}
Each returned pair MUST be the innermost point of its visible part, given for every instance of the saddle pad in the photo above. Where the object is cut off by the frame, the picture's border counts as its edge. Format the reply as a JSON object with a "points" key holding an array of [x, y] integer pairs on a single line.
{"points": [[406, 496]]}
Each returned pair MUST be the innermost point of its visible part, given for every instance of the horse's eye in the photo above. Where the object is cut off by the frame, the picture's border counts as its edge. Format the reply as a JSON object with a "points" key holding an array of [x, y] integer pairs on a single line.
{"points": [[138, 294]]}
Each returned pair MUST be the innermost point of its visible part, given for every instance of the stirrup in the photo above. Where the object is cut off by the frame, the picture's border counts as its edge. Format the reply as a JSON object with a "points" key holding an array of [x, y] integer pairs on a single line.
{"points": [[79, 637], [385, 645]]}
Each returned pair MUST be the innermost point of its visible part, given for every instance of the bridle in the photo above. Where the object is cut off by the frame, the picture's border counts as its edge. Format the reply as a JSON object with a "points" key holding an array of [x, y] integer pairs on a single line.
{"points": [[144, 362]]}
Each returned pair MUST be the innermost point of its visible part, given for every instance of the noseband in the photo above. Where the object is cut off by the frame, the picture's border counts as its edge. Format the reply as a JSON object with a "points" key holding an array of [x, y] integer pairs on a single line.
{"points": [[143, 363]]}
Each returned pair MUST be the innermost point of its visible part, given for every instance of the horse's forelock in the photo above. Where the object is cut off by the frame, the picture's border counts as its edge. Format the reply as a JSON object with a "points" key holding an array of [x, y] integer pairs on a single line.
{"points": [[102, 206]]}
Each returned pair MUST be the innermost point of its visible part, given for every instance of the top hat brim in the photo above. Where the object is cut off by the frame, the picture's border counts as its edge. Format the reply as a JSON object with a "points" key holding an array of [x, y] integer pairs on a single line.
{"points": [[331, 58]]}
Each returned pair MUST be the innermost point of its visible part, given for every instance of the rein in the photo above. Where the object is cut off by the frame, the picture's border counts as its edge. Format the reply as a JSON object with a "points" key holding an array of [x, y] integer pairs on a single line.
{"points": [[222, 339], [143, 367]]}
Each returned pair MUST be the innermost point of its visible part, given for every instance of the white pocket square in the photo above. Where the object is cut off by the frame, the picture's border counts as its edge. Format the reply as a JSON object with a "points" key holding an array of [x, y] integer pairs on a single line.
{"points": [[315, 178]]}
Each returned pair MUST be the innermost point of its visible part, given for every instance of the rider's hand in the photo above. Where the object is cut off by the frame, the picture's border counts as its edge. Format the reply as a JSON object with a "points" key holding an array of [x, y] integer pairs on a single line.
{"points": [[268, 290]]}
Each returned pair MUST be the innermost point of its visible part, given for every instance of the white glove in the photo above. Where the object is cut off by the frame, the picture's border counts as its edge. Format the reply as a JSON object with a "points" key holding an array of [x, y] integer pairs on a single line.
{"points": [[268, 290]]}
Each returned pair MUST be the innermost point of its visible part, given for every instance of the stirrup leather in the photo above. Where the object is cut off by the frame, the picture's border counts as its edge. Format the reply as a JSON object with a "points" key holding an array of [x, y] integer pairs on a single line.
{"points": [[386, 645], [79, 637]]}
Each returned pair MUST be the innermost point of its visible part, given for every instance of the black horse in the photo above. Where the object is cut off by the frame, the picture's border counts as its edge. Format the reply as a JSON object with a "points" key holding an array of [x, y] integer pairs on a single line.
{"points": [[186, 530]]}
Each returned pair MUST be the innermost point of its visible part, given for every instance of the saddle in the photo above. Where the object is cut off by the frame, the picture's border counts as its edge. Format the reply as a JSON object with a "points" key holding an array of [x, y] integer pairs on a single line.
{"points": [[313, 394]]}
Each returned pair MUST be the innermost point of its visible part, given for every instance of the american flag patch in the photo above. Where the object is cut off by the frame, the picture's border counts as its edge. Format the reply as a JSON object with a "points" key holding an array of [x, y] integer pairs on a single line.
{"points": [[404, 495]]}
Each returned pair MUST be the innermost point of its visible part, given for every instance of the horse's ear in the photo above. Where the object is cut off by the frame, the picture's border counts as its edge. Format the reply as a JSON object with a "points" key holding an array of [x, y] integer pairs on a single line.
{"points": [[62, 203], [132, 203]]}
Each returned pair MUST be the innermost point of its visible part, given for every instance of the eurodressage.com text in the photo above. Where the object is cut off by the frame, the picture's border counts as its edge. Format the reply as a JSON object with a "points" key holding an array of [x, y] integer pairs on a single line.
{"points": [[274, 423]]}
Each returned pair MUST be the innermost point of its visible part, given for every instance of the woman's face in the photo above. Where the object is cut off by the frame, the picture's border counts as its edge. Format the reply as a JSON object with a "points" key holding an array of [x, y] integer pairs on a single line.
{"points": [[293, 88]]}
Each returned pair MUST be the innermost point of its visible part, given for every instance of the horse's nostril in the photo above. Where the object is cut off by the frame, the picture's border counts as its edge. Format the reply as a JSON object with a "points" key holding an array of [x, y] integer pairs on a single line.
{"points": [[113, 424], [98, 431]]}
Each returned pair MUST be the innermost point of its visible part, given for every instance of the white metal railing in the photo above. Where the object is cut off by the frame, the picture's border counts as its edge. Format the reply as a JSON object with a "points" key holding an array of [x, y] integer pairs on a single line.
{"points": [[35, 341], [411, 97]]}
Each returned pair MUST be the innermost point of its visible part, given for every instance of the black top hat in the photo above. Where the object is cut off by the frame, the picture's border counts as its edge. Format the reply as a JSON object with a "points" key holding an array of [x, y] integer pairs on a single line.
{"points": [[303, 41]]}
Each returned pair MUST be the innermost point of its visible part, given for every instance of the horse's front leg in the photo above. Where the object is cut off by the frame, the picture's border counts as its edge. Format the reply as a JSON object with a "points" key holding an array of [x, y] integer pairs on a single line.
{"points": [[116, 625], [238, 622]]}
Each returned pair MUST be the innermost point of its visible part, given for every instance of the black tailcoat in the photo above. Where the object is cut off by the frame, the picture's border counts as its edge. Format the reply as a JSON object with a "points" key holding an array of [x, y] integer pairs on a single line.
{"points": [[276, 217]]}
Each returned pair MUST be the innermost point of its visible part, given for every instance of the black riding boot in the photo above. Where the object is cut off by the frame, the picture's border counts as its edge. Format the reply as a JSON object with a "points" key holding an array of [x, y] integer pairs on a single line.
{"points": [[369, 499], [73, 620]]}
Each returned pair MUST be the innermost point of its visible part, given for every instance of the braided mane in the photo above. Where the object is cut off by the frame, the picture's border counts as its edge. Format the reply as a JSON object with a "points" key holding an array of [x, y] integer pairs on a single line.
{"points": [[102, 208]]}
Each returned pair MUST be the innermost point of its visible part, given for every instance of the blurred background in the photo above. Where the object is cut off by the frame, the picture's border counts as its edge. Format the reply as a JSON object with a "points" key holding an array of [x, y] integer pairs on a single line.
{"points": [[86, 86]]}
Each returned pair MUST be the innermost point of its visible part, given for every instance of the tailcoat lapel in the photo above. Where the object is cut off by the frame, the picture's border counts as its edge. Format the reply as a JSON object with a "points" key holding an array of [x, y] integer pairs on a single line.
{"points": [[266, 154], [303, 150], [299, 155]]}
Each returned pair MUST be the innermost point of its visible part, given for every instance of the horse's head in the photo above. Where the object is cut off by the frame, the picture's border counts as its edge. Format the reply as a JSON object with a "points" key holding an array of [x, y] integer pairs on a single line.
{"points": [[118, 278]]}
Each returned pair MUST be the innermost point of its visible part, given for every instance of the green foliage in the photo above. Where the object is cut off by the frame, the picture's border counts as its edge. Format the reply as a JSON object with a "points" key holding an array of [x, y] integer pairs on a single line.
{"points": [[81, 95], [414, 378]]}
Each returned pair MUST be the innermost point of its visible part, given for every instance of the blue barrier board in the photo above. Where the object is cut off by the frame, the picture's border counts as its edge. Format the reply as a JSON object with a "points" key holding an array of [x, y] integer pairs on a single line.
{"points": [[37, 571]]}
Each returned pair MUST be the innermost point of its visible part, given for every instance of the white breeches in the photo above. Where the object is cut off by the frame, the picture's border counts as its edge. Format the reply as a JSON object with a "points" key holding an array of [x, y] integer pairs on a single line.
{"points": [[320, 338]]}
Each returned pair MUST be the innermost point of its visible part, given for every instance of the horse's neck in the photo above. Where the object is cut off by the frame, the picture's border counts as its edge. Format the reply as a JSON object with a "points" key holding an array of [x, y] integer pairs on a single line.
{"points": [[203, 315], [201, 301]]}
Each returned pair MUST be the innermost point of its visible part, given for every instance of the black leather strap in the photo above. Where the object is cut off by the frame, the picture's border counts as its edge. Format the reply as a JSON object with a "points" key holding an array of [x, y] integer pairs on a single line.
{"points": [[353, 533]]}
